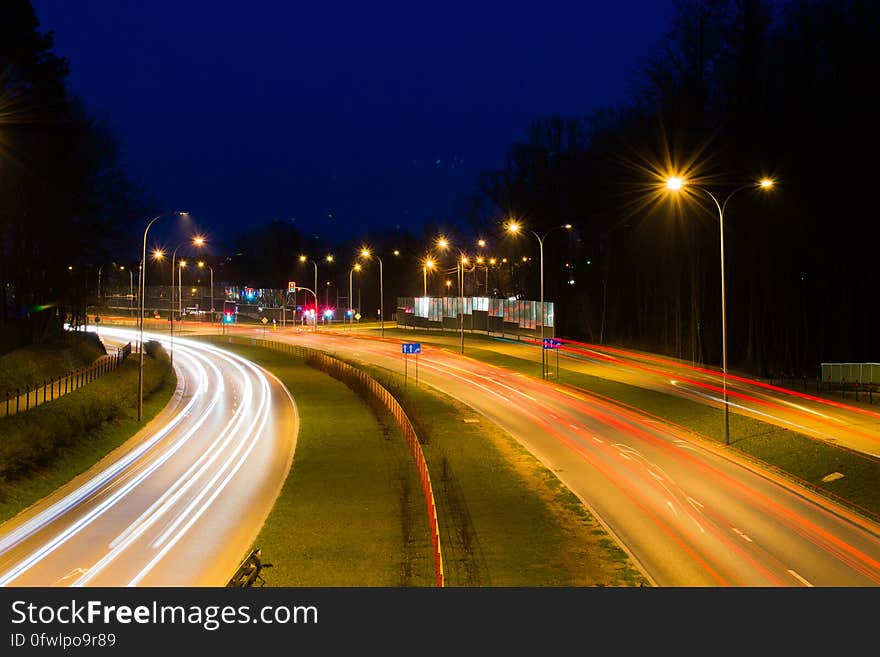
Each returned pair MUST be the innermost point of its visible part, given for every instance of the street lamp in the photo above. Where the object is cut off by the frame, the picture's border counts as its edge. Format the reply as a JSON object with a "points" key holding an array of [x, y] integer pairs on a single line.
{"points": [[366, 253], [515, 227], [142, 287], [198, 242], [462, 261], [677, 184], [303, 258], [356, 267], [202, 265], [429, 264], [130, 288]]}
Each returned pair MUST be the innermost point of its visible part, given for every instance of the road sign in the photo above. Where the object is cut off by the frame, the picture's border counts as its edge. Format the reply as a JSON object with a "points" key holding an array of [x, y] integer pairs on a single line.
{"points": [[552, 343], [265, 321], [411, 348], [291, 286], [357, 316]]}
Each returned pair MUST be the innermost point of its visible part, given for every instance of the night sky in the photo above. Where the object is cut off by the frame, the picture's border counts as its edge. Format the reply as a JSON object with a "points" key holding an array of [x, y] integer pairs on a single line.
{"points": [[345, 117]]}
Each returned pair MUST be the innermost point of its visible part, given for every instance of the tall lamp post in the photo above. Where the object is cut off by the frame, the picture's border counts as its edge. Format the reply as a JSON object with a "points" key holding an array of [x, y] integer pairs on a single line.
{"points": [[429, 264], [130, 288], [462, 261], [443, 243], [366, 253], [202, 265], [303, 258], [142, 287], [676, 184], [356, 267], [514, 227], [198, 242]]}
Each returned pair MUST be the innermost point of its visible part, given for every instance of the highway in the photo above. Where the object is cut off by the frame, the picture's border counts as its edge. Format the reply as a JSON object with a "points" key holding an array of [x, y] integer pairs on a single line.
{"points": [[855, 426], [690, 513], [181, 502]]}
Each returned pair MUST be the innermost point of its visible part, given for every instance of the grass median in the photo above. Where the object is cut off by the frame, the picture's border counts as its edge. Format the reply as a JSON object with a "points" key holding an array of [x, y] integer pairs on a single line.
{"points": [[351, 512], [47, 446], [505, 519]]}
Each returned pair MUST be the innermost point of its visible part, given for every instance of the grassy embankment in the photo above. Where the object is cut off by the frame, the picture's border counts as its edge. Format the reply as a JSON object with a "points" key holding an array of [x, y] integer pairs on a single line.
{"points": [[46, 447], [33, 364], [802, 457]]}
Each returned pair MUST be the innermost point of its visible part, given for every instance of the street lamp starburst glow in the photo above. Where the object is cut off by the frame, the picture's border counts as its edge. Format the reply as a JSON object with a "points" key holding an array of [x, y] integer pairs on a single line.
{"points": [[674, 183]]}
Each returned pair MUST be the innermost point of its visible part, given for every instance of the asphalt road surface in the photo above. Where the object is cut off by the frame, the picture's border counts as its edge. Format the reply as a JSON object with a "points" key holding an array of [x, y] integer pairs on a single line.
{"points": [[690, 513], [181, 502], [840, 422]]}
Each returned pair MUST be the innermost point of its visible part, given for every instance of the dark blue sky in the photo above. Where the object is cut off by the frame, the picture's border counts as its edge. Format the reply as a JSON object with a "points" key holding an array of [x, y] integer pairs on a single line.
{"points": [[377, 113]]}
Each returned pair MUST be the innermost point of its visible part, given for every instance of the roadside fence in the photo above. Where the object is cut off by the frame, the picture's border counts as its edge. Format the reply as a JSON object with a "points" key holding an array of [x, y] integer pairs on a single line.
{"points": [[19, 401]]}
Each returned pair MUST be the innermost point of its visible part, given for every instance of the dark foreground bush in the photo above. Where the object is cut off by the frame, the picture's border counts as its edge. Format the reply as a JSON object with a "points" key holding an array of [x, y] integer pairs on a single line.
{"points": [[30, 439]]}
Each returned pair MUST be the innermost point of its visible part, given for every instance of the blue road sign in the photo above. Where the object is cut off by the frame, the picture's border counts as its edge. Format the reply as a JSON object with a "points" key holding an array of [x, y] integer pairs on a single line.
{"points": [[552, 343], [411, 348]]}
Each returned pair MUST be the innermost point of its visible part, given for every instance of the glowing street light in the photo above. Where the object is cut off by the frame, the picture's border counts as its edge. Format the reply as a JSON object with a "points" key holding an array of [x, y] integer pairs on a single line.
{"points": [[515, 227], [429, 264], [142, 288], [677, 184], [674, 183], [357, 267], [202, 265], [327, 258], [367, 254]]}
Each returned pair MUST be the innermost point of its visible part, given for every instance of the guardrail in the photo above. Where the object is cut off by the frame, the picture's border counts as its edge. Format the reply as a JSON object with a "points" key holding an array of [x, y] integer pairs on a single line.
{"points": [[50, 389], [333, 365]]}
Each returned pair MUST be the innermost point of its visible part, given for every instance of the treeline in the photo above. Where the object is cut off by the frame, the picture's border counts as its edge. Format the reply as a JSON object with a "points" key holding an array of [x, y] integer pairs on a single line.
{"points": [[740, 89], [63, 193]]}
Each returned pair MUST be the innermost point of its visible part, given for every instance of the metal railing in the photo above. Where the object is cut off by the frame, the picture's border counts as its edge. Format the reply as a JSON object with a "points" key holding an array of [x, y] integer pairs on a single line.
{"points": [[18, 401], [852, 377], [332, 365]]}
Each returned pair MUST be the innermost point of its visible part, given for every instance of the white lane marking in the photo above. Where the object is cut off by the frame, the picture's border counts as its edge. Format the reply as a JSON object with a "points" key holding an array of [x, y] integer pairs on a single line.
{"points": [[218, 489], [72, 573], [742, 534], [694, 503], [167, 501], [805, 429], [624, 456], [555, 417], [800, 579], [89, 488], [574, 426], [481, 376], [77, 526], [597, 439], [655, 475], [672, 508]]}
